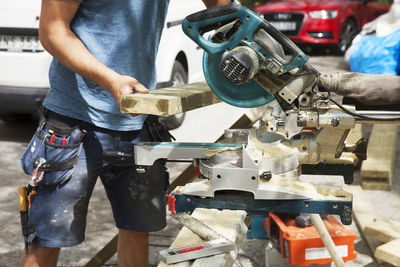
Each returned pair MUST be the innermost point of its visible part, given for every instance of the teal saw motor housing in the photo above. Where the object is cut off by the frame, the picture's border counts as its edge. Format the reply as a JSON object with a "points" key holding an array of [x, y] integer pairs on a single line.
{"points": [[266, 50]]}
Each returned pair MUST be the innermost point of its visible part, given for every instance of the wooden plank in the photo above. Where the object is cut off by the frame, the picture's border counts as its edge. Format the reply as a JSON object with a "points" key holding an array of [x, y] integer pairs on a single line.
{"points": [[170, 101], [364, 214], [229, 223], [388, 232], [377, 170], [383, 230], [389, 252]]}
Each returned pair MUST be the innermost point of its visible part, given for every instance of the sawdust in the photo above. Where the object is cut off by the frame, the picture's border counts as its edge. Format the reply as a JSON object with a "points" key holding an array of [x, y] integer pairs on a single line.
{"points": [[283, 161], [277, 157], [272, 150], [212, 152], [307, 189]]}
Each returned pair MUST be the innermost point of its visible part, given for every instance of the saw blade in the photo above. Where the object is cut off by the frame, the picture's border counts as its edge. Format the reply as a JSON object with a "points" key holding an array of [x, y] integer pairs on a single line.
{"points": [[246, 95]]}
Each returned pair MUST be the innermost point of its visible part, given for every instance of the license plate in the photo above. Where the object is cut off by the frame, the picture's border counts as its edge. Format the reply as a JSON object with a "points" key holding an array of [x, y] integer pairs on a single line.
{"points": [[15, 43], [284, 25]]}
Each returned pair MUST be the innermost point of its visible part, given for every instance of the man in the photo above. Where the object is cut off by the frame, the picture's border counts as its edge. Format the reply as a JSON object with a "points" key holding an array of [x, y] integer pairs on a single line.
{"points": [[102, 50]]}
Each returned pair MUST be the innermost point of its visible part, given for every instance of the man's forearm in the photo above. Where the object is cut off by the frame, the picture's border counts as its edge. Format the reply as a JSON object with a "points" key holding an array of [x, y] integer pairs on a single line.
{"points": [[371, 89], [211, 3]]}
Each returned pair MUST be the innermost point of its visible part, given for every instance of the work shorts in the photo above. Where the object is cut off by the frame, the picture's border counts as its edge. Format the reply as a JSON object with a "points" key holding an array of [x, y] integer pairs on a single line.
{"points": [[59, 204]]}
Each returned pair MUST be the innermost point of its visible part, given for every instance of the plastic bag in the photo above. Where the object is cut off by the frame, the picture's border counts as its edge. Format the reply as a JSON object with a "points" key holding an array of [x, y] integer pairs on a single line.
{"points": [[377, 55]]}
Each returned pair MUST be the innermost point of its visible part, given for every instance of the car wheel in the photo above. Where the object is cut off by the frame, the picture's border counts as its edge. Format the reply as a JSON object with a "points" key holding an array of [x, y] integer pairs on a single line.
{"points": [[16, 118], [349, 31], [179, 76]]}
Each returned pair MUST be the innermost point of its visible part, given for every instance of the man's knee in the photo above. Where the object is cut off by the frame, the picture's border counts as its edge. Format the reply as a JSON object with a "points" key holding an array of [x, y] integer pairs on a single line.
{"points": [[132, 235]]}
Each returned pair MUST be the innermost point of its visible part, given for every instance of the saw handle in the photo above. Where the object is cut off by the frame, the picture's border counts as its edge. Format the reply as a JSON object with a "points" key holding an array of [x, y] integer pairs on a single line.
{"points": [[213, 12], [195, 25]]}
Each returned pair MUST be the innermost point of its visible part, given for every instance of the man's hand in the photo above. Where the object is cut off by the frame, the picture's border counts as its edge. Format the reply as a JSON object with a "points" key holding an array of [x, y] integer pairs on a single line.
{"points": [[125, 85], [211, 3]]}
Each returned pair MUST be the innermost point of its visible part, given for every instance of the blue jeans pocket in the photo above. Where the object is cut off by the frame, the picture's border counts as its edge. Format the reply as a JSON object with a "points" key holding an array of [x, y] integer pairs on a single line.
{"points": [[58, 159]]}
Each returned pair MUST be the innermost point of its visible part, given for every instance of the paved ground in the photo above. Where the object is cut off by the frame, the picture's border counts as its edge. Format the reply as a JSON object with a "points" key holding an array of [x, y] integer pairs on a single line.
{"points": [[100, 226]]}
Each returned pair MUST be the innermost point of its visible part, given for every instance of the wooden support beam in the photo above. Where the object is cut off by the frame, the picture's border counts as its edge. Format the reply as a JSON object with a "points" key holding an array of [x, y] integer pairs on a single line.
{"points": [[170, 101], [383, 230], [364, 214], [376, 231], [388, 232], [228, 223], [377, 170]]}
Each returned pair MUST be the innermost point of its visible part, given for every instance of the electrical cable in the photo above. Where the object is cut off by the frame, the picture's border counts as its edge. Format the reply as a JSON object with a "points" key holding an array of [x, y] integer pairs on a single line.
{"points": [[363, 116]]}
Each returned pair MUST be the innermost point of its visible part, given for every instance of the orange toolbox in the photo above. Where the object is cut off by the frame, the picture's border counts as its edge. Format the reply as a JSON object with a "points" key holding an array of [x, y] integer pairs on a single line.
{"points": [[303, 246]]}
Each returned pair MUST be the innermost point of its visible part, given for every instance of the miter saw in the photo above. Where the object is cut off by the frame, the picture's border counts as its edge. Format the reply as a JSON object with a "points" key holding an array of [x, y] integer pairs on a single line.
{"points": [[248, 63]]}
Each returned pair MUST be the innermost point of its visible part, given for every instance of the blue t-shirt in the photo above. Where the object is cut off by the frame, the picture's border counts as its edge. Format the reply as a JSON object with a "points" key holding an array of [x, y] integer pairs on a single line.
{"points": [[122, 34]]}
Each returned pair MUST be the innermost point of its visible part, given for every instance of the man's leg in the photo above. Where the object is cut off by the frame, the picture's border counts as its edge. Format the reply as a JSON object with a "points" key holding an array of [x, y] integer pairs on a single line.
{"points": [[57, 211], [133, 248], [40, 256], [137, 201]]}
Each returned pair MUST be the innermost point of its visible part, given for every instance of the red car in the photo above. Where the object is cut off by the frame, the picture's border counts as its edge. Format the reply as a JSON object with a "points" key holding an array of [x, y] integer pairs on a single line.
{"points": [[329, 22]]}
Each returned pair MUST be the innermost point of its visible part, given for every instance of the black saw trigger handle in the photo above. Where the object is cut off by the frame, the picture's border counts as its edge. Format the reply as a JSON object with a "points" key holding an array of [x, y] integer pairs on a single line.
{"points": [[211, 14]]}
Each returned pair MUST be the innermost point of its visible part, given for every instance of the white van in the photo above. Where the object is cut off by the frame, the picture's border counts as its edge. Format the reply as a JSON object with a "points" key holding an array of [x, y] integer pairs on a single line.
{"points": [[24, 64]]}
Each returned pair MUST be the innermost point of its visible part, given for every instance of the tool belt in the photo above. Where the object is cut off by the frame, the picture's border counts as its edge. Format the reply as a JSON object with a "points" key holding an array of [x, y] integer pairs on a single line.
{"points": [[54, 149]]}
